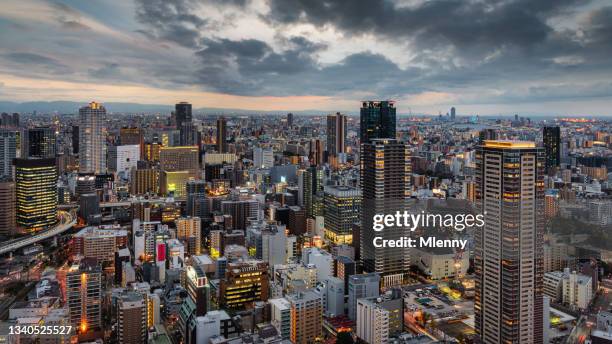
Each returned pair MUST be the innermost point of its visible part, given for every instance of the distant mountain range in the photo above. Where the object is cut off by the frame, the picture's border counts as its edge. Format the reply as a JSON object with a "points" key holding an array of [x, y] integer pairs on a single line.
{"points": [[69, 107]]}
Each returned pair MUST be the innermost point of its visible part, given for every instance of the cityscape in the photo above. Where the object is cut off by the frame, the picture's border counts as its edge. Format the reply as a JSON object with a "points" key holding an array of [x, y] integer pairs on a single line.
{"points": [[182, 228], [289, 189]]}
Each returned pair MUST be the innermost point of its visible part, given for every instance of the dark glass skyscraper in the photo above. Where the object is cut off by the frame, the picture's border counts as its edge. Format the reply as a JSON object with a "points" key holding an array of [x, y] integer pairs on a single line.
{"points": [[182, 111], [222, 135], [552, 145], [377, 120], [36, 193], [40, 142], [336, 134]]}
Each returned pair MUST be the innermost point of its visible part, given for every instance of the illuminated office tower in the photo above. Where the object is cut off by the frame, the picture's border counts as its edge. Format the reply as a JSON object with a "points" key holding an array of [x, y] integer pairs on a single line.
{"points": [[131, 318], [8, 225], [40, 142], [385, 183], [36, 193], [306, 317], [152, 151], [245, 282], [143, 181], [189, 230], [92, 138], [84, 295], [336, 134], [222, 135], [508, 256], [182, 113], [8, 151], [377, 120], [552, 145], [342, 208], [182, 158]]}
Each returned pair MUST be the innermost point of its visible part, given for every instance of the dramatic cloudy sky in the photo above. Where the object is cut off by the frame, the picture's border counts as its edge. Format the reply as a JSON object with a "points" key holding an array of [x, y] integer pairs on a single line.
{"points": [[483, 56]]}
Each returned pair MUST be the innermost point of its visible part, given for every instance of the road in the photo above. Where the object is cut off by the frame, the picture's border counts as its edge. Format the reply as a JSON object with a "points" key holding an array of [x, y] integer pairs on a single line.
{"points": [[66, 221]]}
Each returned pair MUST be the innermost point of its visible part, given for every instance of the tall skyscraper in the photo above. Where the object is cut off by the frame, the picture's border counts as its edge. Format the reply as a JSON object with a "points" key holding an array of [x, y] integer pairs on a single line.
{"points": [[222, 135], [290, 120], [385, 182], [453, 113], [8, 225], [84, 295], [131, 318], [316, 152], [552, 144], [189, 230], [8, 151], [182, 112], [36, 193], [508, 254], [377, 120], [92, 138], [40, 142], [336, 134]]}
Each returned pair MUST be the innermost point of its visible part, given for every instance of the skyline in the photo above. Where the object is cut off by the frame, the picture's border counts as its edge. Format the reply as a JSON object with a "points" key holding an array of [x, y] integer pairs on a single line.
{"points": [[290, 56]]}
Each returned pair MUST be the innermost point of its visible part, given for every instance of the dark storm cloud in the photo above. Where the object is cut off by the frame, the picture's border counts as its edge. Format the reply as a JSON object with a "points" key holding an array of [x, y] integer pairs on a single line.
{"points": [[453, 45], [171, 20], [36, 62]]}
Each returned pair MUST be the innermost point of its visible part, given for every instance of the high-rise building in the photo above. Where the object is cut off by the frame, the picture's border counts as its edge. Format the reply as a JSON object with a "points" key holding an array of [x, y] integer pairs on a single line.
{"points": [[508, 254], [552, 145], [378, 318], [280, 311], [240, 210], [336, 134], [75, 139], [290, 120], [40, 143], [99, 243], [131, 318], [342, 209], [144, 181], [183, 158], [189, 230], [197, 288], [306, 317], [196, 199], [316, 152], [361, 286], [36, 193], [182, 113], [132, 136], [377, 120], [84, 295], [245, 282], [263, 157], [92, 138], [152, 151], [385, 182], [174, 183], [487, 134], [122, 159], [8, 226], [222, 135], [312, 185], [453, 113], [8, 151]]}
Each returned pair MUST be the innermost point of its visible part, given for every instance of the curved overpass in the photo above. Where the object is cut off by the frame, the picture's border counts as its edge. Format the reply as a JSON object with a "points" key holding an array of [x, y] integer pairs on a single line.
{"points": [[66, 221]]}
